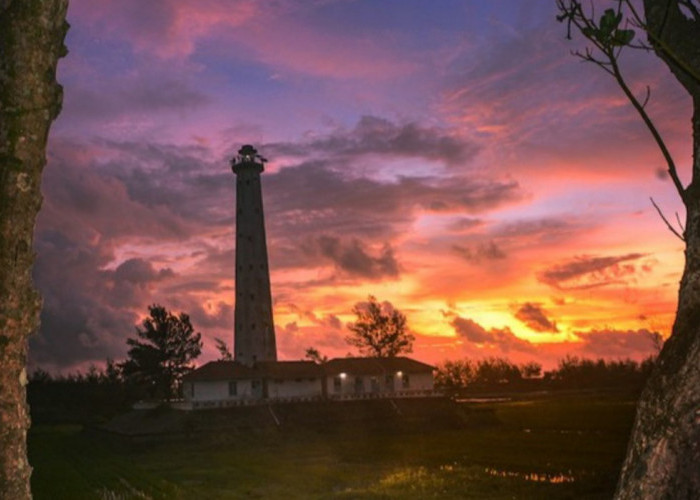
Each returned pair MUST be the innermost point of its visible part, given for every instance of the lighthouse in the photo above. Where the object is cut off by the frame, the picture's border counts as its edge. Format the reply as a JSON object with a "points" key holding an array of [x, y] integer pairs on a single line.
{"points": [[254, 330]]}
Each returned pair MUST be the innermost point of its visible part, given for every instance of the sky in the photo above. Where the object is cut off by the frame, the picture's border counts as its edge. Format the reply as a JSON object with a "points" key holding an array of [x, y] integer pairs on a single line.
{"points": [[452, 158]]}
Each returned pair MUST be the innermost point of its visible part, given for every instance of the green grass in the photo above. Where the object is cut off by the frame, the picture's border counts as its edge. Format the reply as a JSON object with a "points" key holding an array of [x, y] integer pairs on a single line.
{"points": [[577, 440]]}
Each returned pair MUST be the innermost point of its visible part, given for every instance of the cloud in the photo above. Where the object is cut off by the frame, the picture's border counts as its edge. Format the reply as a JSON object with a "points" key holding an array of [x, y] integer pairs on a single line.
{"points": [[330, 321], [316, 188], [166, 28], [498, 338], [586, 272], [465, 224], [112, 215], [545, 111], [285, 36], [541, 231], [130, 96], [352, 258], [139, 271], [620, 343], [314, 199], [481, 252], [535, 318], [378, 136]]}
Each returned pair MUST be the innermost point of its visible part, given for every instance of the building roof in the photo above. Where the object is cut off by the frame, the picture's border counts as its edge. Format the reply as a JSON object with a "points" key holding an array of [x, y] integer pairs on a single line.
{"points": [[233, 370], [219, 370], [289, 369], [375, 366]]}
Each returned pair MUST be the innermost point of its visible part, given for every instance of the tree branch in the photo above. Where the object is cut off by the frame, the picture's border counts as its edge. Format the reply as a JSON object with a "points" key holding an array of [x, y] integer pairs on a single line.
{"points": [[609, 39], [668, 224], [672, 171]]}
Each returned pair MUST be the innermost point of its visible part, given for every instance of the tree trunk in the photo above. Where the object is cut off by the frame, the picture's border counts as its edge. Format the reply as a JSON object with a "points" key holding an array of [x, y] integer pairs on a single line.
{"points": [[31, 42], [663, 458]]}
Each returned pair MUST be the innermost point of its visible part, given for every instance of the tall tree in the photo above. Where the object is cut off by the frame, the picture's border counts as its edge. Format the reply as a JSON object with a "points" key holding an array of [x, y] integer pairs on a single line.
{"points": [[224, 351], [380, 330], [664, 451], [313, 354], [31, 42], [163, 352]]}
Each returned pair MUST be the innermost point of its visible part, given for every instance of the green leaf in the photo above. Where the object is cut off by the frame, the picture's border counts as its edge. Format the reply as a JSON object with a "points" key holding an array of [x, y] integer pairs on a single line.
{"points": [[609, 21], [623, 37]]}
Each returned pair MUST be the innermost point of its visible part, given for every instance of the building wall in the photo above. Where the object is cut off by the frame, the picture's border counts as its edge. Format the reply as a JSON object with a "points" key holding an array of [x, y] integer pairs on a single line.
{"points": [[217, 390], [347, 386], [352, 385], [421, 382], [294, 388]]}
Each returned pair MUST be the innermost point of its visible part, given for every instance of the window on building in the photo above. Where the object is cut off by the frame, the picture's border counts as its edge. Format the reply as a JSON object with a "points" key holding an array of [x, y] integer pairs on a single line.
{"points": [[192, 389], [405, 381], [232, 388], [359, 385], [337, 383]]}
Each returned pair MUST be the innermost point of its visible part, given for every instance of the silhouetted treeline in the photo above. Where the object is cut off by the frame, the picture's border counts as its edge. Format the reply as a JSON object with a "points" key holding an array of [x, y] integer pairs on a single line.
{"points": [[500, 374], [95, 395], [99, 394]]}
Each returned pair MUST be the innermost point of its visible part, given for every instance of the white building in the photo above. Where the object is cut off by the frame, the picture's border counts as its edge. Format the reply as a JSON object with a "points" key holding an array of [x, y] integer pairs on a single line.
{"points": [[361, 378], [230, 383]]}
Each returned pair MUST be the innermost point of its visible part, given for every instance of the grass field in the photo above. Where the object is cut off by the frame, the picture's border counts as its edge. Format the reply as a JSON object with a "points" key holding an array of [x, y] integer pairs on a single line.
{"points": [[545, 448]]}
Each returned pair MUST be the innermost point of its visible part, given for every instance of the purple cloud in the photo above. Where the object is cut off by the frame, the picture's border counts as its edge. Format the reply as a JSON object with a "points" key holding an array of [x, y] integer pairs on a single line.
{"points": [[535, 318], [500, 338], [590, 272]]}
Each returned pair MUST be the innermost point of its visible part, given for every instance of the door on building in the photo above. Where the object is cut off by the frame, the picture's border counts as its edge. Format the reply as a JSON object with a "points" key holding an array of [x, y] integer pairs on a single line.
{"points": [[359, 385], [256, 389], [389, 383]]}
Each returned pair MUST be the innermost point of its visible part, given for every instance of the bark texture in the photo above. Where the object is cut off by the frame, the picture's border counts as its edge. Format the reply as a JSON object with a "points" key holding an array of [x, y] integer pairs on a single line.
{"points": [[663, 458], [31, 42]]}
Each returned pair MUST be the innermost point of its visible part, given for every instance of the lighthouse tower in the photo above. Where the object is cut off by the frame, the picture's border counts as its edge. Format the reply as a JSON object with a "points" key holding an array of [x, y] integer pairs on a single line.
{"points": [[254, 331]]}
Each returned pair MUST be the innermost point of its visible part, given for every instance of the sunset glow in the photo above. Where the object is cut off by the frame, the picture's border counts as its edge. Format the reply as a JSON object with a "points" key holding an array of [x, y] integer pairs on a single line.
{"points": [[449, 157]]}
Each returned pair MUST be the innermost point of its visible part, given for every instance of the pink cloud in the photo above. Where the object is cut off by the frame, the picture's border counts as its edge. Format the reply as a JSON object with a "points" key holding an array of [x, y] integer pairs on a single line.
{"points": [[500, 338], [261, 30], [586, 272], [612, 343], [165, 28]]}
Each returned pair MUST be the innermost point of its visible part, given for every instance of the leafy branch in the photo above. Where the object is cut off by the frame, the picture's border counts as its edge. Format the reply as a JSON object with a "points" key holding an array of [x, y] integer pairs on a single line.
{"points": [[609, 36]]}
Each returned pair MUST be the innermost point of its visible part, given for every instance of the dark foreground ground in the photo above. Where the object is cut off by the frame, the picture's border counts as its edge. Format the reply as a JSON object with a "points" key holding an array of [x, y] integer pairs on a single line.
{"points": [[540, 448]]}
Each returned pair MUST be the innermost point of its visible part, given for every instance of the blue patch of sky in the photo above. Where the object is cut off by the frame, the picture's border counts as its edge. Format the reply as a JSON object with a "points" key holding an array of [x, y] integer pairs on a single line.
{"points": [[104, 56], [411, 24]]}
